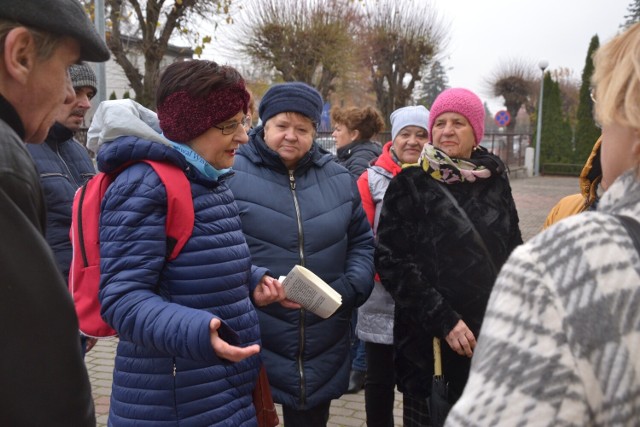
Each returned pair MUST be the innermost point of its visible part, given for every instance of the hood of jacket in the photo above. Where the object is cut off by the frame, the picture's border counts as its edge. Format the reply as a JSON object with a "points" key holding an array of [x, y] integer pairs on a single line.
{"points": [[386, 161], [591, 175], [125, 132], [259, 153], [360, 147], [123, 117]]}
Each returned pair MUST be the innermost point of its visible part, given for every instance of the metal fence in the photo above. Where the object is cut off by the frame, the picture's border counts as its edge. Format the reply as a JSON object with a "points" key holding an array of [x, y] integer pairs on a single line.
{"points": [[510, 147]]}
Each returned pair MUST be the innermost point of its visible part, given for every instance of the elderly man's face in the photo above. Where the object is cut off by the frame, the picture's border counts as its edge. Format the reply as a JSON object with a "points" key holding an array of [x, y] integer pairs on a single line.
{"points": [[48, 86]]}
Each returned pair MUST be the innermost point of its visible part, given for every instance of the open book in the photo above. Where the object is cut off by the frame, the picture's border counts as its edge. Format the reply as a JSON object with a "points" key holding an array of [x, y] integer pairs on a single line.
{"points": [[311, 292]]}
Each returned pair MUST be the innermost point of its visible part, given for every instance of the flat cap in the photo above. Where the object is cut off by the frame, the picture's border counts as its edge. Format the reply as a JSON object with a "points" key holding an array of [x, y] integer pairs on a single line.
{"points": [[63, 17]]}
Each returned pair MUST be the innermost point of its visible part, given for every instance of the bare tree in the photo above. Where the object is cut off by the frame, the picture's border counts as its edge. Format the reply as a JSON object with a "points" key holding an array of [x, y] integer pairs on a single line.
{"points": [[306, 41], [516, 81], [569, 92], [399, 38], [154, 23]]}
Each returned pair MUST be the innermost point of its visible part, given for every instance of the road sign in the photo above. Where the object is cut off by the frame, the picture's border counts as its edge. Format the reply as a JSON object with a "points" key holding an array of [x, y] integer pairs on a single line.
{"points": [[502, 118]]}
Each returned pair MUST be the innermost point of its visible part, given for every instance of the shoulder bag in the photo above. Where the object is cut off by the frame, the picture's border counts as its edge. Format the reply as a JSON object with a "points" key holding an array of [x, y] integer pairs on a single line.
{"points": [[263, 401]]}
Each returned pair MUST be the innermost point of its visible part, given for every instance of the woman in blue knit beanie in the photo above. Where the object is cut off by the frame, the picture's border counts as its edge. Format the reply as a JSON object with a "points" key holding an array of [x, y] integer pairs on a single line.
{"points": [[298, 206]]}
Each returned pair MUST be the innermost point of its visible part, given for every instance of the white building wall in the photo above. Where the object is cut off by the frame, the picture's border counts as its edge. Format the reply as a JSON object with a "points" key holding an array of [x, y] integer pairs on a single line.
{"points": [[117, 81]]}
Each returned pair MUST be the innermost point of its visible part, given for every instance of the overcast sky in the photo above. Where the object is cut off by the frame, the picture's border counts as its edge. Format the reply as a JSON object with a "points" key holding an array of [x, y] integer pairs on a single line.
{"points": [[486, 33], [483, 34]]}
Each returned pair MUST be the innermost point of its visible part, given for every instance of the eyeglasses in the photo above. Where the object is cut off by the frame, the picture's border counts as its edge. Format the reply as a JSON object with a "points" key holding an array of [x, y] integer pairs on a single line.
{"points": [[230, 128]]}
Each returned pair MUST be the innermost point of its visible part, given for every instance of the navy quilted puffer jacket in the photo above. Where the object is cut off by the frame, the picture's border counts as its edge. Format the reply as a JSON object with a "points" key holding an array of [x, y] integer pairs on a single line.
{"points": [[166, 372], [63, 165], [310, 216]]}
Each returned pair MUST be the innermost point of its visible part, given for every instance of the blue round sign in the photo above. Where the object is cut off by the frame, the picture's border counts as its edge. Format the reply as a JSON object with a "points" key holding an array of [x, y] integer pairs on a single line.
{"points": [[502, 118]]}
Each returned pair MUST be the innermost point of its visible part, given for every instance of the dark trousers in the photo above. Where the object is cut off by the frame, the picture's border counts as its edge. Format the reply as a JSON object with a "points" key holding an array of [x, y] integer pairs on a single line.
{"points": [[379, 386], [317, 416], [415, 411]]}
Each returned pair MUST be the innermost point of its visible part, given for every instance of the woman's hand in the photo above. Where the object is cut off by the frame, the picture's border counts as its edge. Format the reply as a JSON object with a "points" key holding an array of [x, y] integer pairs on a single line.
{"points": [[226, 351], [270, 290], [461, 339]]}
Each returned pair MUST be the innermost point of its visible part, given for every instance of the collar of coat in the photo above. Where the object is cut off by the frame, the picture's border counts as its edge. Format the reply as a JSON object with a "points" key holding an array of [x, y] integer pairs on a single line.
{"points": [[11, 117]]}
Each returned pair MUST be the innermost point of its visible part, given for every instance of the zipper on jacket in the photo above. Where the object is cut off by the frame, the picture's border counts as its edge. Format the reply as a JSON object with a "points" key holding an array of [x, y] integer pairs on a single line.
{"points": [[292, 185], [71, 177], [301, 330], [175, 392]]}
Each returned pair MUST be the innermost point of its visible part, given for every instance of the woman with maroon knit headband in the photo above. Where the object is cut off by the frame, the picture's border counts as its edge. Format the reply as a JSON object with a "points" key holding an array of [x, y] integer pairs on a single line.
{"points": [[189, 335]]}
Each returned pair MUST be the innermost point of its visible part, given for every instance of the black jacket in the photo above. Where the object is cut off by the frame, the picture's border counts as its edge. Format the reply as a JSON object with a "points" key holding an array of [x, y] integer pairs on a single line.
{"points": [[357, 156], [434, 268], [44, 380]]}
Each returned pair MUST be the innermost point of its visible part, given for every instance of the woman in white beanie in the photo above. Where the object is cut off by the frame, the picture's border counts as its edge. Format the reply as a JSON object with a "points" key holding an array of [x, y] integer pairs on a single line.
{"points": [[375, 317]]}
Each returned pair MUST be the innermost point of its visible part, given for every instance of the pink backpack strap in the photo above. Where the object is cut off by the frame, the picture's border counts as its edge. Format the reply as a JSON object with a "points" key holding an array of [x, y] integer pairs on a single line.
{"points": [[180, 213]]}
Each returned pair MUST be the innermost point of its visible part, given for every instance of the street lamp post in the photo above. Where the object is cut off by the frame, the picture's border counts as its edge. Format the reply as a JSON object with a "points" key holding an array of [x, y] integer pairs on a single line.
{"points": [[101, 74], [543, 64]]}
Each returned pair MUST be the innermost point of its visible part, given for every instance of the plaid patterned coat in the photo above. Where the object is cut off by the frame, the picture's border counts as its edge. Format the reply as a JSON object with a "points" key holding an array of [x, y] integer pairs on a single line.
{"points": [[560, 341]]}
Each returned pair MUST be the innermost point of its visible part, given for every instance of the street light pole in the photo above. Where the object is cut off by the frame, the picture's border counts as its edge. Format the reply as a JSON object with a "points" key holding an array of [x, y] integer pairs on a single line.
{"points": [[101, 74], [543, 64]]}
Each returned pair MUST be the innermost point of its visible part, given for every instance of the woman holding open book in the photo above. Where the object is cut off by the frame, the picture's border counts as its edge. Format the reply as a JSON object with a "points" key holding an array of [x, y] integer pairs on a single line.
{"points": [[298, 207]]}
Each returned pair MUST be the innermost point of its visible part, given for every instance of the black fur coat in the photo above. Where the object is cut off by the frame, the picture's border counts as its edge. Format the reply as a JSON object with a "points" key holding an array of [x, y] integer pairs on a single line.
{"points": [[431, 262]]}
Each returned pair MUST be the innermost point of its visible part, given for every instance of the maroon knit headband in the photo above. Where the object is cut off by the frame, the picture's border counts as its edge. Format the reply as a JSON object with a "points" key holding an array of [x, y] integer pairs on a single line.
{"points": [[184, 117]]}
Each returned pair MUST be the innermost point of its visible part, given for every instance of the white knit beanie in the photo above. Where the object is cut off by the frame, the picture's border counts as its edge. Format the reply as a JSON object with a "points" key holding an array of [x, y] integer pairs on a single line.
{"points": [[416, 115]]}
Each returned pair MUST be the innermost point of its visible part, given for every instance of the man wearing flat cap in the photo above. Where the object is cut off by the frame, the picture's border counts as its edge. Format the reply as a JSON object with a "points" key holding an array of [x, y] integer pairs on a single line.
{"points": [[44, 381]]}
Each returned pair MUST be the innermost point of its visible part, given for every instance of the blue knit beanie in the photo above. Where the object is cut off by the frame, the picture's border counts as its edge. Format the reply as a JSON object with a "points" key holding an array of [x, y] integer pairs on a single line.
{"points": [[295, 97]]}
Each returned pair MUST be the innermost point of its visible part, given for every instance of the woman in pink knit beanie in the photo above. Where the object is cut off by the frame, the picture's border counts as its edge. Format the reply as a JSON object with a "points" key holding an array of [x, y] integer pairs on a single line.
{"points": [[463, 110], [447, 226]]}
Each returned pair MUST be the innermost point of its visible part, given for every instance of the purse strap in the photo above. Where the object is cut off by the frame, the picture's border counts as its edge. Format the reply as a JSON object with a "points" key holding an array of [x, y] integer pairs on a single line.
{"points": [[633, 228], [478, 238]]}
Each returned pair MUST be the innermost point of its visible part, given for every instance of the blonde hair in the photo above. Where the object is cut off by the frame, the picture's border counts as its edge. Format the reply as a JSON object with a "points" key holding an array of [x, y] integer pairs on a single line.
{"points": [[617, 79]]}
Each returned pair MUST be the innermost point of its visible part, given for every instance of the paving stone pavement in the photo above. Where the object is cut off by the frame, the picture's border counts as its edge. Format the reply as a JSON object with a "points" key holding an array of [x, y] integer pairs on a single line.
{"points": [[534, 198]]}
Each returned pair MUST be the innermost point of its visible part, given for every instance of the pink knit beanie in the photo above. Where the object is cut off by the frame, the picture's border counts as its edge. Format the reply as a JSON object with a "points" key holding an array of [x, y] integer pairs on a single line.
{"points": [[461, 101]]}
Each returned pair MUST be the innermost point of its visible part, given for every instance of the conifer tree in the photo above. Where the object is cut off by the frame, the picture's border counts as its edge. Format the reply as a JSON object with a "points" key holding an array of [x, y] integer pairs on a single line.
{"points": [[556, 132], [435, 82], [586, 130]]}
